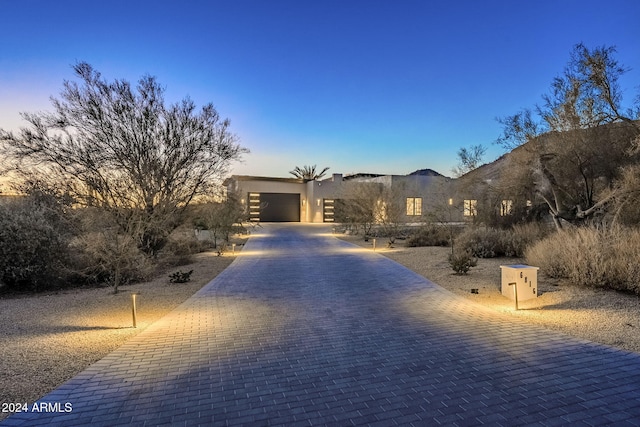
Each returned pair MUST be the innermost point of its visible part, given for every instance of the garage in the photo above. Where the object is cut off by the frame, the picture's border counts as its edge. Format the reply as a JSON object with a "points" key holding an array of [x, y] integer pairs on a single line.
{"points": [[275, 207]]}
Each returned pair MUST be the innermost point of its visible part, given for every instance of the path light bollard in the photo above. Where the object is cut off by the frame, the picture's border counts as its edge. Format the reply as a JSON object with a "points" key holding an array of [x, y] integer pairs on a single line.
{"points": [[233, 248], [133, 307], [515, 292], [374, 244]]}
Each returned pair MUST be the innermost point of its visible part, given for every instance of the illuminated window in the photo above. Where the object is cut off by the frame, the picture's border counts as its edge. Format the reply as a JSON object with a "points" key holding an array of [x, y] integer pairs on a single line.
{"points": [[329, 210], [414, 206], [470, 208], [505, 207], [254, 206]]}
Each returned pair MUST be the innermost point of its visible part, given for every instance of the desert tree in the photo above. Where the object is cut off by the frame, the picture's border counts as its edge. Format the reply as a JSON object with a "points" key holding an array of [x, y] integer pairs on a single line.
{"points": [[124, 150], [469, 159], [390, 212], [308, 173], [106, 254], [221, 217], [580, 138], [359, 206]]}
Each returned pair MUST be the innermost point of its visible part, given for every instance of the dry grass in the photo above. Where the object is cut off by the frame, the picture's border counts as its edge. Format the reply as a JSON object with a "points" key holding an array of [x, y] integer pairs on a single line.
{"points": [[592, 257]]}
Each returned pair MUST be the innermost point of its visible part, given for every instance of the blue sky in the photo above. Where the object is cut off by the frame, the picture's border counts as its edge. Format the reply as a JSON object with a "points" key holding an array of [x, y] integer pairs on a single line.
{"points": [[359, 86]]}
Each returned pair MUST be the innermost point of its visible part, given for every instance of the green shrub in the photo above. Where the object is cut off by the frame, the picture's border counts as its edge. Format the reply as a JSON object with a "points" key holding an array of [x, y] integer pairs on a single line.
{"points": [[180, 276], [462, 261], [485, 242], [33, 244], [430, 235], [589, 256]]}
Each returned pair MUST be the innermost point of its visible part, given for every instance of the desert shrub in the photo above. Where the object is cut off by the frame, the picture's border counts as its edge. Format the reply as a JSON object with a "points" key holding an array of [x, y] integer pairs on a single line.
{"points": [[461, 261], [34, 237], [180, 248], [551, 254], [486, 242], [483, 242], [429, 235], [589, 256], [180, 276], [111, 257], [521, 236]]}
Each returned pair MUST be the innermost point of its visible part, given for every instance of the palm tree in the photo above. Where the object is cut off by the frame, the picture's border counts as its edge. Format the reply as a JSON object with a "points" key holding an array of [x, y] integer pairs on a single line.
{"points": [[308, 173]]}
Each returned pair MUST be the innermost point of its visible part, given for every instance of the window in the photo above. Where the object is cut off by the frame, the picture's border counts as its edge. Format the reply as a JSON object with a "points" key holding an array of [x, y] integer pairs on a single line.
{"points": [[505, 207], [470, 208], [414, 206]]}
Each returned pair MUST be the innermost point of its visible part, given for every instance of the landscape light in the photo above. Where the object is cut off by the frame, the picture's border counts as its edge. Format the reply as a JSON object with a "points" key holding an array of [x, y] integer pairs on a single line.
{"points": [[133, 307], [515, 292]]}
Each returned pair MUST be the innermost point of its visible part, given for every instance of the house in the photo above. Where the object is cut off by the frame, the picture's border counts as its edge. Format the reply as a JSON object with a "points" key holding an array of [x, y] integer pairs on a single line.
{"points": [[270, 199]]}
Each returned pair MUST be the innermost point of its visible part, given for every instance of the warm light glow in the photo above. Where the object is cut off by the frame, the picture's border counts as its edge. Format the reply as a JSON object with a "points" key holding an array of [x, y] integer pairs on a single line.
{"points": [[505, 207], [470, 208]]}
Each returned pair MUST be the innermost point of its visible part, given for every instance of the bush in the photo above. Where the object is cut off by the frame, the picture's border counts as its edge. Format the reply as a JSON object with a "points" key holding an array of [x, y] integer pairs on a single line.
{"points": [[181, 247], [180, 276], [595, 257], [483, 242], [430, 235], [522, 236], [495, 242], [111, 257], [33, 243], [461, 262]]}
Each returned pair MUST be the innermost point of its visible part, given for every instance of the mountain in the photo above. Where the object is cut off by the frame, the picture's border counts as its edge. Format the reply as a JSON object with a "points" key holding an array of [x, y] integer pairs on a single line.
{"points": [[425, 172]]}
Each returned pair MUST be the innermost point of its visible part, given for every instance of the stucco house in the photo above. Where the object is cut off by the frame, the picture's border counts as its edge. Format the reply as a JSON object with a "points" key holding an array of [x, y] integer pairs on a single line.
{"points": [[270, 199]]}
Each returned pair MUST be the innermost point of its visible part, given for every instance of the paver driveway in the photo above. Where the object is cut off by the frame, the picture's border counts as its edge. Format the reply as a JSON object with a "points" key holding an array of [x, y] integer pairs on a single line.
{"points": [[305, 329]]}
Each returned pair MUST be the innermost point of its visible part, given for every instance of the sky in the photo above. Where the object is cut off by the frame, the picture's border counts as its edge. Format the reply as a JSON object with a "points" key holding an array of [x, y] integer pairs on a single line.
{"points": [[371, 86]]}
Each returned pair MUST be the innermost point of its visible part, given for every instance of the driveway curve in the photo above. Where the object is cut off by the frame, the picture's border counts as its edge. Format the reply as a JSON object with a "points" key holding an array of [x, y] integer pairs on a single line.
{"points": [[305, 329]]}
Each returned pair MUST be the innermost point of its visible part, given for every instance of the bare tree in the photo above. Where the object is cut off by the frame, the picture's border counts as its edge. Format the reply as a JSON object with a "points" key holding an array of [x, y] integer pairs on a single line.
{"points": [[123, 150], [469, 159], [308, 173], [582, 138], [221, 218], [360, 205], [390, 212]]}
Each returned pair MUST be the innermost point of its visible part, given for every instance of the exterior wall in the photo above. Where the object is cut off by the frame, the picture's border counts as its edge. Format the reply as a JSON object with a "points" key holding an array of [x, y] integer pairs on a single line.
{"points": [[318, 192], [434, 192], [243, 185]]}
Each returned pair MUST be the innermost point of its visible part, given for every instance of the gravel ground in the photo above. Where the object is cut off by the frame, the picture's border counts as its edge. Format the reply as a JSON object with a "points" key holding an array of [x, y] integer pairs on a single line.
{"points": [[600, 315], [49, 338]]}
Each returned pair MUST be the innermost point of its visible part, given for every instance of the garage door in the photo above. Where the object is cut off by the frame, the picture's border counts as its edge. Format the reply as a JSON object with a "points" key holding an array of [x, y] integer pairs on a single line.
{"points": [[275, 207]]}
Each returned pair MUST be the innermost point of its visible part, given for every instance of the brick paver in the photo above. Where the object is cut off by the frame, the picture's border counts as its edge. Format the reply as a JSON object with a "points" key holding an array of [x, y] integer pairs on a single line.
{"points": [[305, 329]]}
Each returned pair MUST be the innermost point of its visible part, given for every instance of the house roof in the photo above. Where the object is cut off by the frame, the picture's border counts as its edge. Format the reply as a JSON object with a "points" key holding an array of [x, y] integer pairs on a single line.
{"points": [[264, 178]]}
